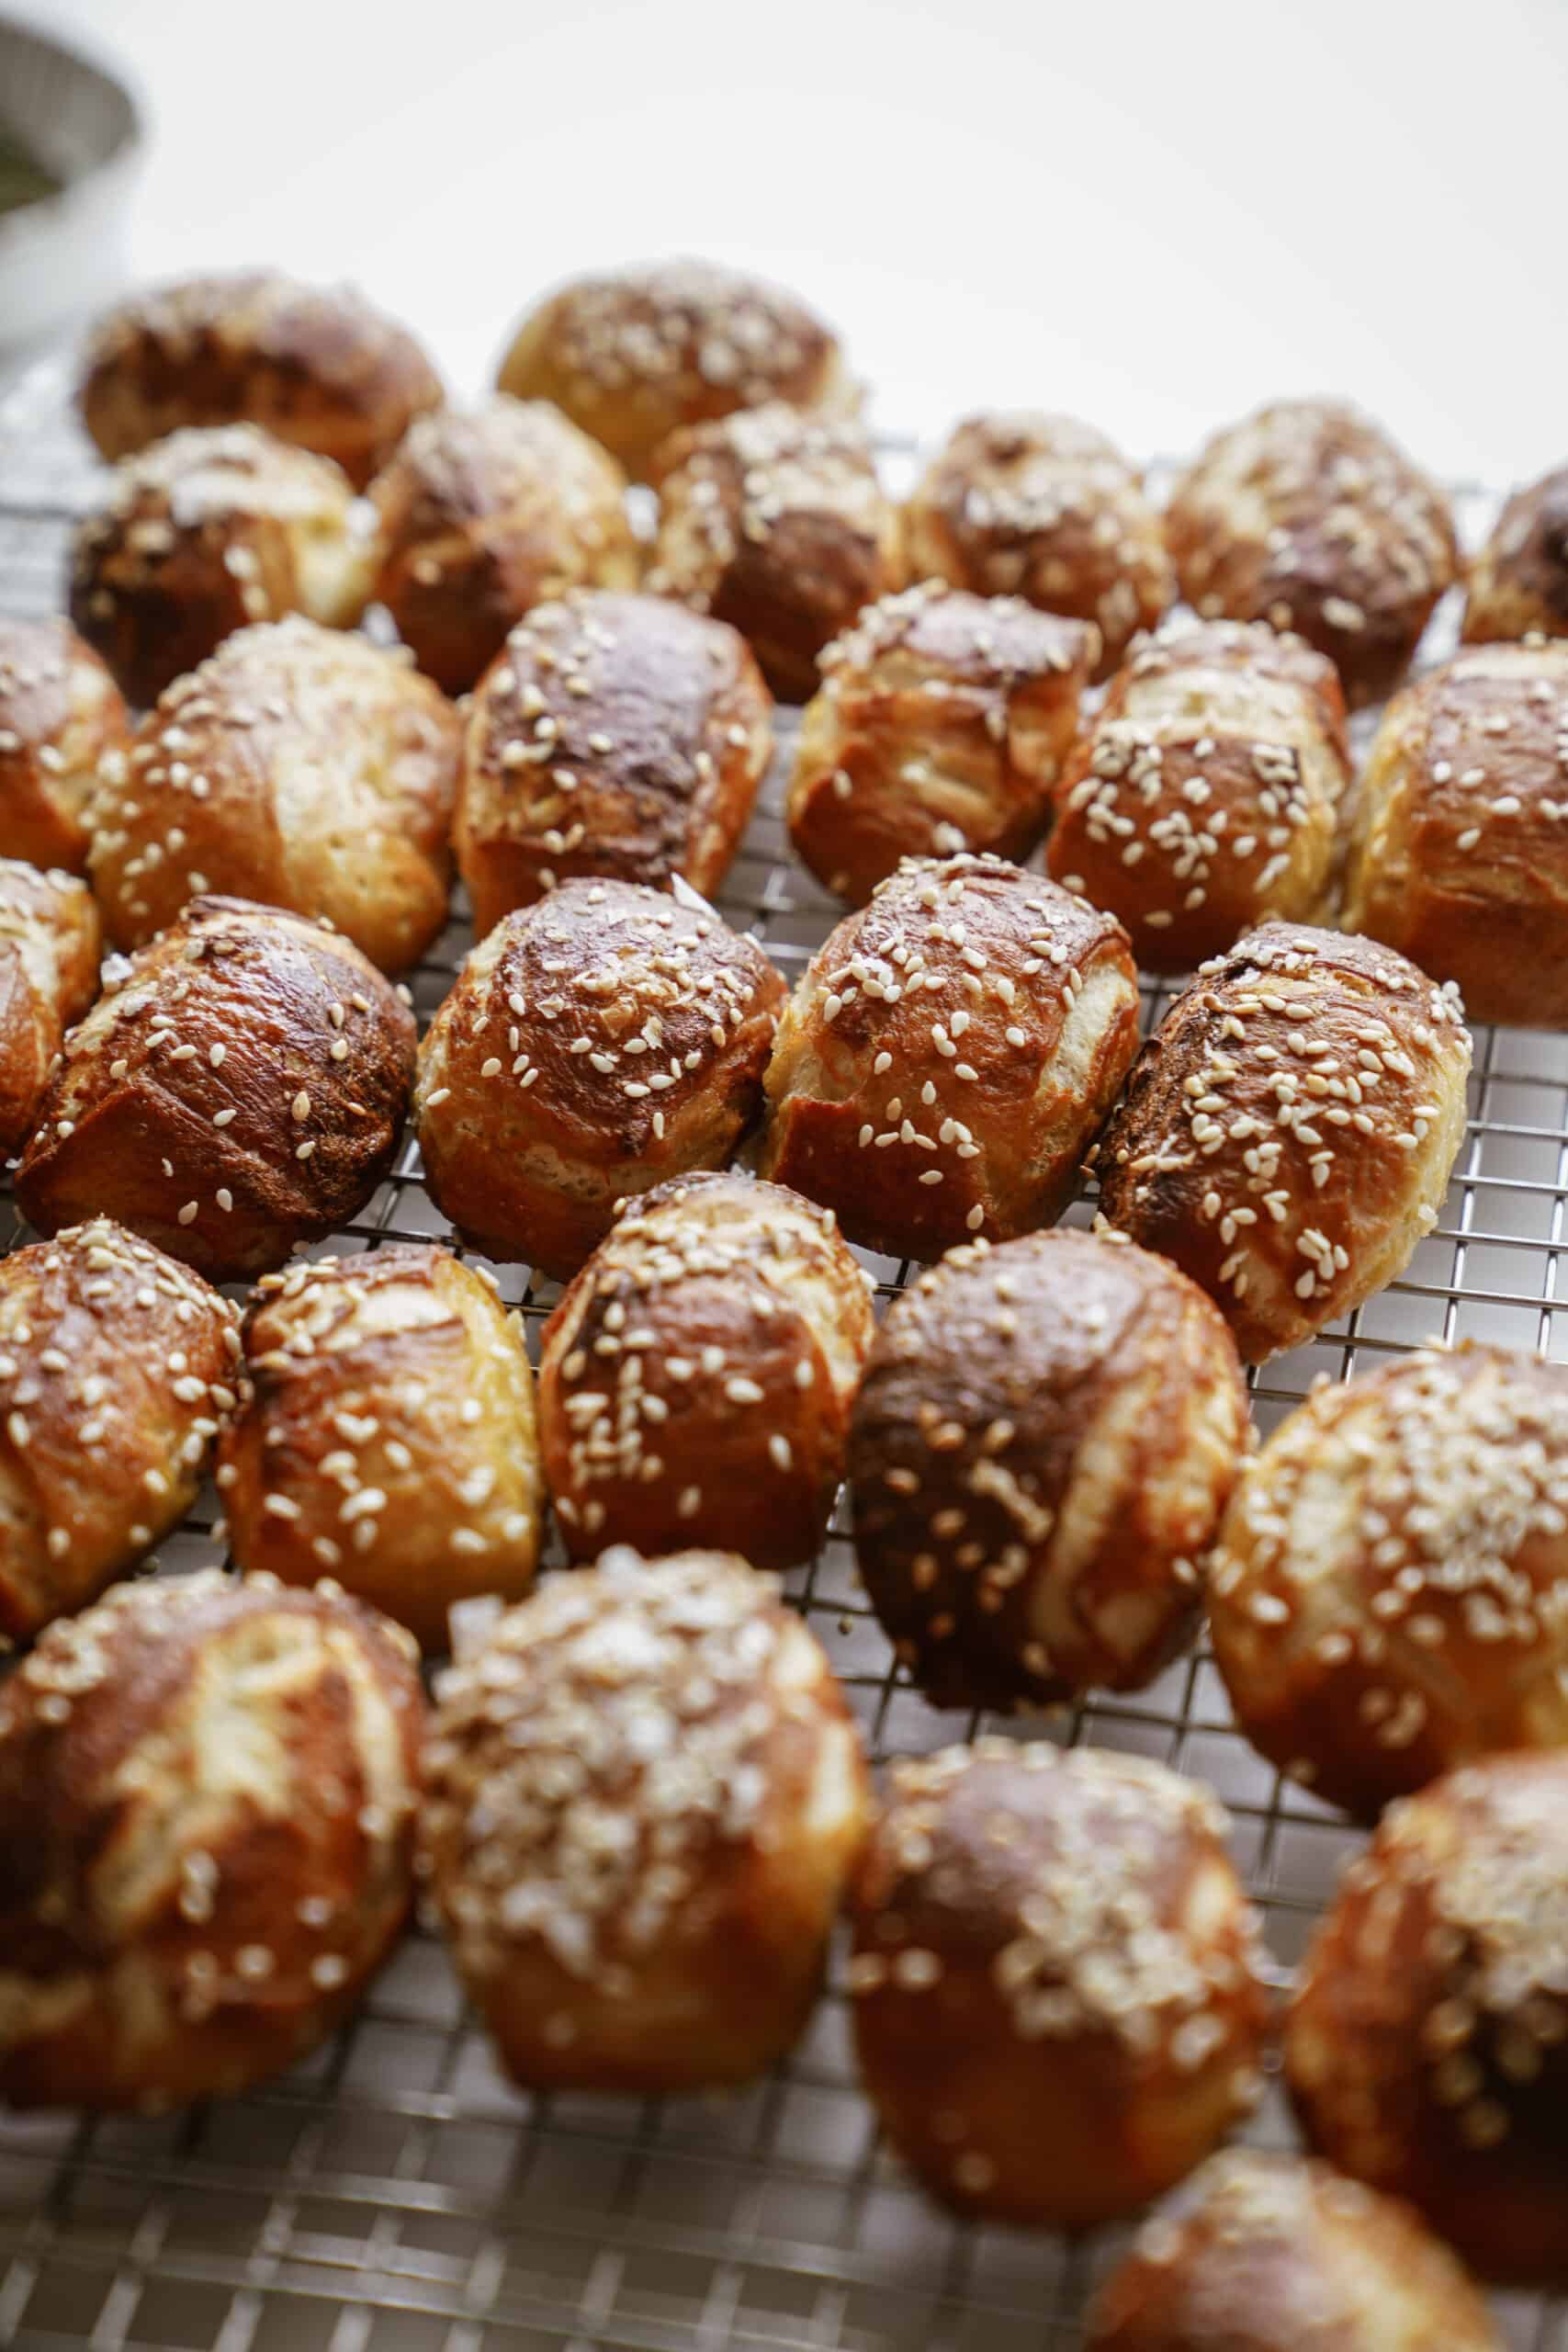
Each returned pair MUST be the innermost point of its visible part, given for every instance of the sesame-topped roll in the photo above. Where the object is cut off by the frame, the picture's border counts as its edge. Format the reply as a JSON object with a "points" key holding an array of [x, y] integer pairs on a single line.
{"points": [[1056, 2005], [644, 1796], [616, 736], [696, 1379], [118, 1369], [1046, 508], [1044, 1441], [1203, 799], [62, 725], [1306, 515], [1288, 1133], [486, 513], [1459, 855], [637, 352], [386, 1437], [49, 943], [300, 767], [948, 1054], [207, 1797], [593, 1045], [239, 1088], [1427, 2047], [941, 724], [1519, 583]]}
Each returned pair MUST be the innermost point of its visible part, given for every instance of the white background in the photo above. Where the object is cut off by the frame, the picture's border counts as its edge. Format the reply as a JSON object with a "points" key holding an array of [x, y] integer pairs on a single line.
{"points": [[1154, 215]]}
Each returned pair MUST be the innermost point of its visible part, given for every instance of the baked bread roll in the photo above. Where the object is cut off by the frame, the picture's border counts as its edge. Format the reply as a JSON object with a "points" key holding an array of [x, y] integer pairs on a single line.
{"points": [[773, 520], [1056, 2005], [1044, 1441], [49, 941], [1287, 1134], [644, 1796], [941, 724], [1046, 508], [63, 724], [238, 1091], [1457, 855], [300, 767], [206, 1798], [634, 353], [1518, 584], [1275, 2255], [214, 527], [488, 513], [1204, 797], [1427, 2046], [116, 1371], [314, 365], [593, 1046], [615, 736], [386, 1437], [696, 1381], [1306, 515], [948, 1054]]}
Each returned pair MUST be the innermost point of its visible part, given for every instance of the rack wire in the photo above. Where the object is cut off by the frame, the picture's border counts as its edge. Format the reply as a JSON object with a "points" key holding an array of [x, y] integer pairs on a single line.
{"points": [[395, 2193]]}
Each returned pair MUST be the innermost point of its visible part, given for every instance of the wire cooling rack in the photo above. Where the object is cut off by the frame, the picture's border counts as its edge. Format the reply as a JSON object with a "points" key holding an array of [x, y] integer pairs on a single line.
{"points": [[395, 2193]]}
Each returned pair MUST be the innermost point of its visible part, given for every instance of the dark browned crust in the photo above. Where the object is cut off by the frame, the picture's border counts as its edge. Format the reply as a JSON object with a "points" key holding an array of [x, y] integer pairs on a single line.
{"points": [[63, 723], [49, 943], [1518, 583]]}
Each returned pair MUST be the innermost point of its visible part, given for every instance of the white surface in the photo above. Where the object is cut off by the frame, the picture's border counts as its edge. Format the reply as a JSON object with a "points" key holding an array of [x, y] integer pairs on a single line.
{"points": [[1154, 215]]}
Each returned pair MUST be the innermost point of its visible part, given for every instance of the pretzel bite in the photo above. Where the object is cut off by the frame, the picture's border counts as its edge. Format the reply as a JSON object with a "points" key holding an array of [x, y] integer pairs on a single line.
{"points": [[941, 724], [50, 941], [615, 736], [314, 365], [1287, 1134], [1204, 797], [1056, 2005], [1275, 2255], [634, 353], [1046, 508], [300, 767], [63, 724], [1306, 515], [486, 513], [593, 1046], [696, 1379], [1427, 2047], [238, 1090], [948, 1054], [1518, 585], [1044, 1441], [644, 1796], [206, 1798], [1458, 855]]}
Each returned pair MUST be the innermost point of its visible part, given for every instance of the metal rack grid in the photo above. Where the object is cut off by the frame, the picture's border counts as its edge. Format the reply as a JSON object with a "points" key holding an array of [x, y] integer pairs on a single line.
{"points": [[395, 2193]]}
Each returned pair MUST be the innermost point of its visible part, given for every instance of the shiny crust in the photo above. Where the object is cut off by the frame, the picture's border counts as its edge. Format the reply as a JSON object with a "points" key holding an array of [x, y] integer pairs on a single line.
{"points": [[941, 724], [1046, 508], [1389, 1596], [1004, 1059], [615, 736], [645, 1794], [1427, 2047], [696, 1381], [1288, 1133], [1044, 1441], [386, 1437], [117, 1372], [300, 767], [314, 365], [1306, 515], [1459, 855], [1056, 2006], [1204, 797], [634, 354], [63, 723], [775, 522], [593, 1046], [1519, 583], [240, 1089], [49, 943], [486, 513], [206, 1791]]}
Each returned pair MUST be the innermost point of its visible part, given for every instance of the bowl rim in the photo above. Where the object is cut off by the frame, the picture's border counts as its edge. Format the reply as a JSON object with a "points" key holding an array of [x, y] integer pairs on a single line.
{"points": [[84, 53]]}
